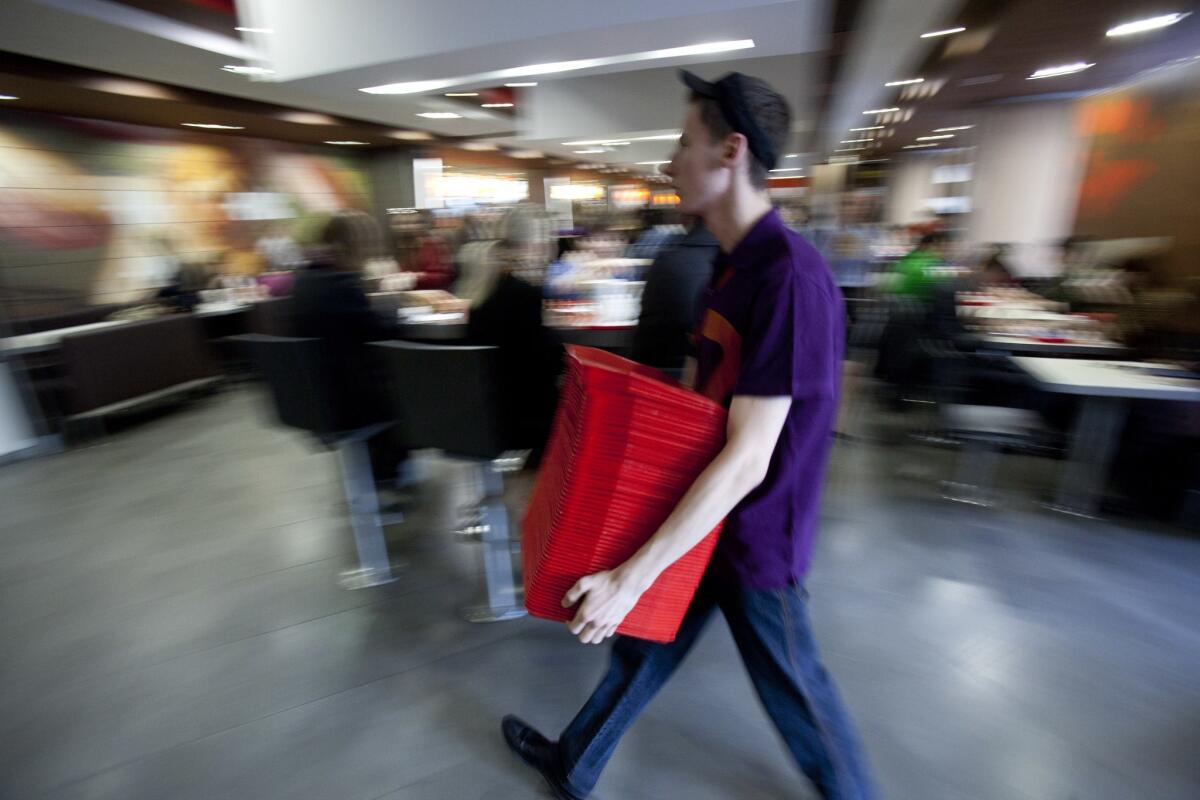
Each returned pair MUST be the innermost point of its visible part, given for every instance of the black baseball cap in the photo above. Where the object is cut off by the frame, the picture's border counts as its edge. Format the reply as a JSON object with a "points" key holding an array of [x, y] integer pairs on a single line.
{"points": [[729, 93]]}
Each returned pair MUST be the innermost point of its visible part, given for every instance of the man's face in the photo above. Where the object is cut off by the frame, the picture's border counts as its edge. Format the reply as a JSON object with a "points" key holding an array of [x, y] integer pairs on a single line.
{"points": [[696, 168]]}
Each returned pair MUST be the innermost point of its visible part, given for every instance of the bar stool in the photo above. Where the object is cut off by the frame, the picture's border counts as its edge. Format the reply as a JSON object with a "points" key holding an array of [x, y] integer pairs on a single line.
{"points": [[447, 398], [304, 397]]}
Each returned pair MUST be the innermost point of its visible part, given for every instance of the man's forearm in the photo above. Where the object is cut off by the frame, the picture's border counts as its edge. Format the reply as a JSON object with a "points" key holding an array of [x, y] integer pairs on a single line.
{"points": [[730, 476]]}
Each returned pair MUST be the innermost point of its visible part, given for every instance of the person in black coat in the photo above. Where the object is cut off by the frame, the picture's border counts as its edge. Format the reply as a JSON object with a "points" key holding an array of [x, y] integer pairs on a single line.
{"points": [[329, 303], [510, 318], [672, 296]]}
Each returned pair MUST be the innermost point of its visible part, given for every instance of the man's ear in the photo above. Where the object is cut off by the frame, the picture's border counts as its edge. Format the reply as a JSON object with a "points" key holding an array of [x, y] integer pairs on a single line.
{"points": [[734, 147]]}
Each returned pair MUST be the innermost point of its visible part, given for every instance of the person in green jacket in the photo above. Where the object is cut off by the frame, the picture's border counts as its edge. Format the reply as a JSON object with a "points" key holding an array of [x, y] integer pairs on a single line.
{"points": [[913, 274]]}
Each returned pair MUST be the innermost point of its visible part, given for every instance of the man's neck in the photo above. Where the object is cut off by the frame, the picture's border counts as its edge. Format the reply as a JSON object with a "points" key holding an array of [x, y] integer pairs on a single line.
{"points": [[734, 214]]}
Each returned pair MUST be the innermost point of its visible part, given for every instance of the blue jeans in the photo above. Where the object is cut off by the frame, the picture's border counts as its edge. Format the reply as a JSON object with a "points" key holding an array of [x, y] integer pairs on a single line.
{"points": [[776, 644]]}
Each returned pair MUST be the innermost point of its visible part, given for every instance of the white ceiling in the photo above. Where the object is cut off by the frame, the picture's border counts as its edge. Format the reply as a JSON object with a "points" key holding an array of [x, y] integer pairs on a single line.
{"points": [[323, 53]]}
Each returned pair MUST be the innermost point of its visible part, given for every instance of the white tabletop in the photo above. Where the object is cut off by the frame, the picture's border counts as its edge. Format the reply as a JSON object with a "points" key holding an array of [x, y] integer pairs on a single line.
{"points": [[217, 309], [1033, 346], [1127, 379], [47, 339]]}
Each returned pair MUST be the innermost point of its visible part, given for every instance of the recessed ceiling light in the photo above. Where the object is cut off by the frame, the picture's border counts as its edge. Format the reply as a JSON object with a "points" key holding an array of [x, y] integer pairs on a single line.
{"points": [[478, 146], [856, 141], [411, 136], [213, 126], [439, 115], [496, 105], [955, 128], [1143, 25], [417, 87], [788, 169], [344, 142], [881, 110], [590, 151], [905, 83], [9, 97], [871, 128], [462, 94], [1062, 69], [239, 69], [946, 32], [917, 146], [526, 154], [307, 118], [932, 138], [521, 84], [254, 30]]}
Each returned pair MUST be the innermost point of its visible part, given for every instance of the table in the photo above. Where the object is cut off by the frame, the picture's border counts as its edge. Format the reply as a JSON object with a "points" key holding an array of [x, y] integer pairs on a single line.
{"points": [[617, 338], [1019, 346], [43, 341], [1105, 389]]}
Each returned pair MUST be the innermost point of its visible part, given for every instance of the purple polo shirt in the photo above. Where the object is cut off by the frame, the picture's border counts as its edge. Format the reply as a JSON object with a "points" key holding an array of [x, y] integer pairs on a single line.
{"points": [[773, 325]]}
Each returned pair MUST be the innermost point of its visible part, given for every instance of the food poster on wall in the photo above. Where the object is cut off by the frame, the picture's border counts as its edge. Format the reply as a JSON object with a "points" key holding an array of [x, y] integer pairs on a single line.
{"points": [[105, 212]]}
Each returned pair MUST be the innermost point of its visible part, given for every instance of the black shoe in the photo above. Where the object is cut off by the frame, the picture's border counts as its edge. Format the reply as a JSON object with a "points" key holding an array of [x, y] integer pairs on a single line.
{"points": [[537, 751]]}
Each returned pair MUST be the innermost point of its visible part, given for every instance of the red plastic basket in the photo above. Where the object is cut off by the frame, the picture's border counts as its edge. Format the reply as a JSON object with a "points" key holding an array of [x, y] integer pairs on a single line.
{"points": [[627, 443]]}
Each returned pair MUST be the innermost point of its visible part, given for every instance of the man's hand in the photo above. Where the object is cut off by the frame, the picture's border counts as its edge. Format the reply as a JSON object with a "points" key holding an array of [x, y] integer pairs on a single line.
{"points": [[607, 598]]}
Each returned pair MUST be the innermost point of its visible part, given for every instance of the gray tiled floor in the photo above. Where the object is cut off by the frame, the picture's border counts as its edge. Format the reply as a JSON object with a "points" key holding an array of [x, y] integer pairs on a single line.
{"points": [[171, 628]]}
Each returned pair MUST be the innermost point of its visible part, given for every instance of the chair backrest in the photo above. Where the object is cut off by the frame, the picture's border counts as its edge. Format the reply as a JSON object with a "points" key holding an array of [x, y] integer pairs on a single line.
{"points": [[124, 362], [446, 397], [297, 375]]}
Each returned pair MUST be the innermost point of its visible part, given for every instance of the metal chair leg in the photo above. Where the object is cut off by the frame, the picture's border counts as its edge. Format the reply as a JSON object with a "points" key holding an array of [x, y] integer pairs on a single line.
{"points": [[374, 568], [504, 598]]}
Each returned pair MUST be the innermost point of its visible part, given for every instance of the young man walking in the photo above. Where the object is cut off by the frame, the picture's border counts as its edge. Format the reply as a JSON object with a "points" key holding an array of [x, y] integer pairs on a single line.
{"points": [[770, 349]]}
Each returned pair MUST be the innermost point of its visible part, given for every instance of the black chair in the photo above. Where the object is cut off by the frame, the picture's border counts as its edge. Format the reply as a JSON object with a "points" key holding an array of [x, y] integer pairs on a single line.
{"points": [[297, 373], [448, 398]]}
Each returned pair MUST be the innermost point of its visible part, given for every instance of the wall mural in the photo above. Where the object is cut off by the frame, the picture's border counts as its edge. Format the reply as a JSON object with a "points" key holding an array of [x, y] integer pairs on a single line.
{"points": [[99, 212]]}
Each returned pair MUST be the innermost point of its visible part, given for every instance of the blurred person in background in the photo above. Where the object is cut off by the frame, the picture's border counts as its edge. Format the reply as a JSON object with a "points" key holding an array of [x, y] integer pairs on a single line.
{"points": [[182, 291], [913, 276], [420, 250], [329, 303], [659, 227], [510, 318], [770, 351], [673, 298]]}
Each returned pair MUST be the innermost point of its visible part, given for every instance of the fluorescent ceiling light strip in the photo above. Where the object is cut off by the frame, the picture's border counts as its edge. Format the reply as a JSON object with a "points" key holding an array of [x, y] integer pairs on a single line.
{"points": [[850, 150], [242, 69], [590, 142], [946, 32], [590, 151], [439, 115], [791, 155], [856, 141], [881, 110], [213, 126], [871, 128], [789, 169], [1062, 69], [462, 94], [9, 97], [916, 146], [496, 105], [650, 163], [1143, 25], [908, 82], [930, 138], [254, 30], [521, 84], [344, 142], [955, 128], [553, 67]]}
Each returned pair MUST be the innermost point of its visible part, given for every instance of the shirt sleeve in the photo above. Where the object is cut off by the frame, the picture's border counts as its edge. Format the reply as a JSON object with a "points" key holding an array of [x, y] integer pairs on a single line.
{"points": [[792, 343]]}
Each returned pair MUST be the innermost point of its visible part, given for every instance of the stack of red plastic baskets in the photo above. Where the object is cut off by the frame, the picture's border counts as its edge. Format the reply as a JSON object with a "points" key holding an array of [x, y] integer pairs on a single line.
{"points": [[627, 443]]}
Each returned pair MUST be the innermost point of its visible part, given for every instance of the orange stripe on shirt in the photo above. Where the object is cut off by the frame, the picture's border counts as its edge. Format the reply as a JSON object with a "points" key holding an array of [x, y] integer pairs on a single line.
{"points": [[723, 378]]}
